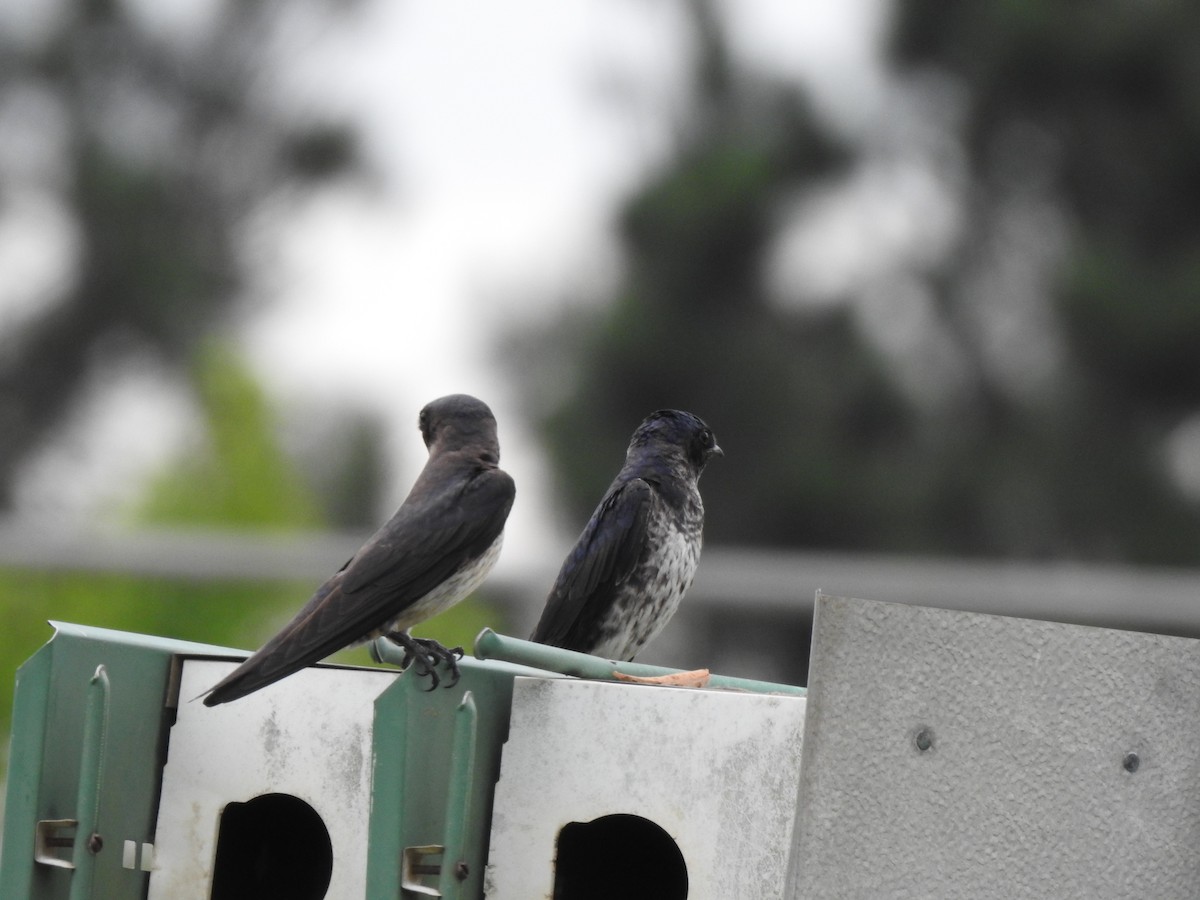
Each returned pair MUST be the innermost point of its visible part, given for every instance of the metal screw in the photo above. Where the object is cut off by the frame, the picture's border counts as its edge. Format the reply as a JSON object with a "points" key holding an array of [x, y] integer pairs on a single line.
{"points": [[461, 870], [95, 843], [924, 739], [1131, 762]]}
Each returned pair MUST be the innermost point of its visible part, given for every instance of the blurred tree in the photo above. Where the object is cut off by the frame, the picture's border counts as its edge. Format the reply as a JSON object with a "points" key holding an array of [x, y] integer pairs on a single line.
{"points": [[1090, 111], [826, 445], [341, 454], [156, 142], [801, 404], [237, 475]]}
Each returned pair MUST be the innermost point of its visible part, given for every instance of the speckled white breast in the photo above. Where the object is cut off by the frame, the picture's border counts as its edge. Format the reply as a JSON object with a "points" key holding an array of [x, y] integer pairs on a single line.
{"points": [[656, 589]]}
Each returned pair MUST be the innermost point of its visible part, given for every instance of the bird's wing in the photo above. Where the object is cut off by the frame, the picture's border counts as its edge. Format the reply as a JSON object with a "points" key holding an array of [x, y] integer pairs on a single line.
{"points": [[426, 542], [601, 560]]}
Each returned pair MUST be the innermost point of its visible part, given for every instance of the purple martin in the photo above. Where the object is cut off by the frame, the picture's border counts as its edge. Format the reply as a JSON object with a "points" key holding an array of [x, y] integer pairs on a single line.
{"points": [[436, 549], [625, 576]]}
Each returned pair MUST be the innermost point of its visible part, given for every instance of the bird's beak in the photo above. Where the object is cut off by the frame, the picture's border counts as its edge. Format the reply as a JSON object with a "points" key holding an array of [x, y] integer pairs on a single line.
{"points": [[716, 450]]}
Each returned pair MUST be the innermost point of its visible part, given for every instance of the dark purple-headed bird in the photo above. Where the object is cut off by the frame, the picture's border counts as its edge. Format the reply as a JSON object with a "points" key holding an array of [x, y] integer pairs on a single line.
{"points": [[436, 549], [625, 576]]}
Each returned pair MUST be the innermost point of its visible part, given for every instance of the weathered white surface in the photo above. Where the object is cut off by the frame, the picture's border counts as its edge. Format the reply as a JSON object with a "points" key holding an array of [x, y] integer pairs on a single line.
{"points": [[308, 735], [718, 771], [1023, 792]]}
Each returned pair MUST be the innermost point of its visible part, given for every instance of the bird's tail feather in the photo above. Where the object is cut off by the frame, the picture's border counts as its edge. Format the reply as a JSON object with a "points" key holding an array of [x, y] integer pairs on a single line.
{"points": [[307, 639]]}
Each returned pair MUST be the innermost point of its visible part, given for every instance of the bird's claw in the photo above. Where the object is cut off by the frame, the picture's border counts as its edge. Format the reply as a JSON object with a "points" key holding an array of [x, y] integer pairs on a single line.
{"points": [[424, 654]]}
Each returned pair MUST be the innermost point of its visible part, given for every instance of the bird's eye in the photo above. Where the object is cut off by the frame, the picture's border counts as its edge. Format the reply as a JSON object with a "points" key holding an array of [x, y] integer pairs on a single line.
{"points": [[706, 438]]}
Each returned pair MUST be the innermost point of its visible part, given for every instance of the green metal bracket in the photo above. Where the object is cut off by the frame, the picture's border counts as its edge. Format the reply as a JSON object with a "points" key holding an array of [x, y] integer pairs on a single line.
{"points": [[453, 869], [437, 757], [88, 840], [458, 799], [75, 806]]}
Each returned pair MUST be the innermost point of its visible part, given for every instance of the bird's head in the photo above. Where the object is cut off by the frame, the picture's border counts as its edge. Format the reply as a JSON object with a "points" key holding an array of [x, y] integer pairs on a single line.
{"points": [[674, 433], [457, 421]]}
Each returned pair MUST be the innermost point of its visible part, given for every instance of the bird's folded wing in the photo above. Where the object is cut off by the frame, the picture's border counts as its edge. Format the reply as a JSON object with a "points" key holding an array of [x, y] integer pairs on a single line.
{"points": [[602, 559], [426, 542], [418, 549]]}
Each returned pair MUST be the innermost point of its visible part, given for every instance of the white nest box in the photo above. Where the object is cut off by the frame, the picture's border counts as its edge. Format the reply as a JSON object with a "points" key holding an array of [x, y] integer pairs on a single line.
{"points": [[293, 761], [613, 790]]}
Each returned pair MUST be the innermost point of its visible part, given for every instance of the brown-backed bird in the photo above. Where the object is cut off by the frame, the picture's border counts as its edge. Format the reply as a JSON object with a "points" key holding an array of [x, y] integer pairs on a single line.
{"points": [[436, 549]]}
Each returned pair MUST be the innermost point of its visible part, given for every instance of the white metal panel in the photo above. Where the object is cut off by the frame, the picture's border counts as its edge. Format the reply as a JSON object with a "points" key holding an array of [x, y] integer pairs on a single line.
{"points": [[1025, 786], [717, 770], [308, 735]]}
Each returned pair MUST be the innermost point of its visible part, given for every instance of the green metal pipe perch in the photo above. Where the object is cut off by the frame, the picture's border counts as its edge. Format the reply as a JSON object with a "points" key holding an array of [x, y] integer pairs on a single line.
{"points": [[490, 645]]}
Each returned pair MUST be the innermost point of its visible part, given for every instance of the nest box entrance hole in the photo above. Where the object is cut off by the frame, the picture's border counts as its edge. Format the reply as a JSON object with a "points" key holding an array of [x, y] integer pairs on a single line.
{"points": [[275, 845], [618, 856]]}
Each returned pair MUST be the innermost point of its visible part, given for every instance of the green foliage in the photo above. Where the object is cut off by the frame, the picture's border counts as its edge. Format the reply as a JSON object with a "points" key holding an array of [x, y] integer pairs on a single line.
{"points": [[238, 476]]}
